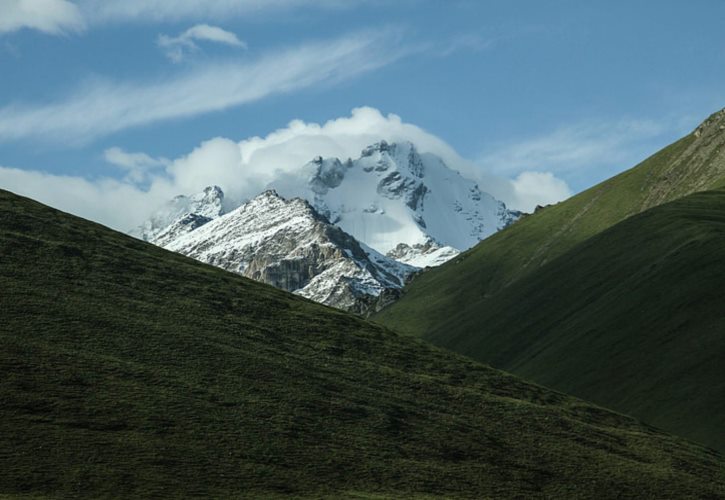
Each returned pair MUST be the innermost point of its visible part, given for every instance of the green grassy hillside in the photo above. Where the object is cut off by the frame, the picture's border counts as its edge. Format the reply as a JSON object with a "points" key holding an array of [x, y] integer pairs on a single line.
{"points": [[632, 319], [694, 163], [638, 308], [131, 371]]}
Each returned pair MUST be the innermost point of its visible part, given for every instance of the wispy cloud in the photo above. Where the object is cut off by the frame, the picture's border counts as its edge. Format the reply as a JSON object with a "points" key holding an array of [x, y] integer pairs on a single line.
{"points": [[55, 17], [99, 11], [59, 17], [467, 42], [177, 47], [103, 107], [138, 166], [10, 49], [574, 149]]}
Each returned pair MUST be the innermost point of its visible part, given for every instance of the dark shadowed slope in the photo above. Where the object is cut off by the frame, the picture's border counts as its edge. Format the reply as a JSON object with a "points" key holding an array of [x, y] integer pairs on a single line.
{"points": [[694, 163], [632, 319], [131, 371]]}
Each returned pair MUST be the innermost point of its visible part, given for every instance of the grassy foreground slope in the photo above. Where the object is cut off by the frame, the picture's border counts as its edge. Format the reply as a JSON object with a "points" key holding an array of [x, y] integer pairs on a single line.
{"points": [[694, 163], [632, 319], [131, 371]]}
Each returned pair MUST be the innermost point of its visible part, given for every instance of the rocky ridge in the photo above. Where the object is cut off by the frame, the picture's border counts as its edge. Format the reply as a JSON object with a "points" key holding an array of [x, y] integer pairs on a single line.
{"points": [[348, 234], [393, 194], [288, 244]]}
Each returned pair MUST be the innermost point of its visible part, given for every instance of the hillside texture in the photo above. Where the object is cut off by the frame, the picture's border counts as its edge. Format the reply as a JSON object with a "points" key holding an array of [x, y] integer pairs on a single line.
{"points": [[694, 163], [629, 317], [632, 319], [132, 371]]}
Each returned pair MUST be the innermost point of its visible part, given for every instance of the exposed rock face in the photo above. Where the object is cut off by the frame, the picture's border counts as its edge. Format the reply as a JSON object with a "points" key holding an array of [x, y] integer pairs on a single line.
{"points": [[209, 204], [288, 244], [428, 254], [393, 194], [694, 163], [366, 226]]}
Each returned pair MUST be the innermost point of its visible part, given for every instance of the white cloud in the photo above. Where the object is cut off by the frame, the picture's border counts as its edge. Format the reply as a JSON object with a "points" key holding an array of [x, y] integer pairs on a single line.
{"points": [[54, 17], [571, 149], [177, 47], [103, 107], [99, 11], [245, 168], [470, 42], [59, 17], [137, 165], [108, 201], [176, 10], [291, 147], [538, 188], [218, 158]]}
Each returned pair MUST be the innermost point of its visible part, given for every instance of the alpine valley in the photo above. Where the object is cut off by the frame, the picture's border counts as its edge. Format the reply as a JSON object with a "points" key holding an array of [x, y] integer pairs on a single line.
{"points": [[365, 250], [134, 371], [345, 233]]}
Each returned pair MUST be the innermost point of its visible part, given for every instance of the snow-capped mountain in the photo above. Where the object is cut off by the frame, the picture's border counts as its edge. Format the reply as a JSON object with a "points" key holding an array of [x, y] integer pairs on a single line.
{"points": [[344, 233], [206, 206], [393, 195], [287, 244]]}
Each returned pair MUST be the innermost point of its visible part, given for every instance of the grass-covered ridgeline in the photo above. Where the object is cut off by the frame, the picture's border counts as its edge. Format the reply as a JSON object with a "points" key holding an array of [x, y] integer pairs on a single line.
{"points": [[579, 297], [694, 163], [129, 371], [632, 319]]}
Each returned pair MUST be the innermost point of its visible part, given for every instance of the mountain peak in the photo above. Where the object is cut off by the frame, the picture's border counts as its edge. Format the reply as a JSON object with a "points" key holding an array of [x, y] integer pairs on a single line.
{"points": [[286, 243], [213, 190], [393, 194], [378, 147], [714, 124], [327, 174], [271, 196], [210, 195], [338, 220], [207, 205], [268, 193], [389, 147]]}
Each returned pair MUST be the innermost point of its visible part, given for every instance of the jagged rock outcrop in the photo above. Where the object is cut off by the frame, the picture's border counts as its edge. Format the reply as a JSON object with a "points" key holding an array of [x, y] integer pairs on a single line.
{"points": [[288, 244], [393, 194], [207, 205], [345, 233], [428, 254]]}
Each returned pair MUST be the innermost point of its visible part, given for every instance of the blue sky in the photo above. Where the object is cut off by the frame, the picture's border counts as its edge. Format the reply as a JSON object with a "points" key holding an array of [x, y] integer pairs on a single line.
{"points": [[106, 100]]}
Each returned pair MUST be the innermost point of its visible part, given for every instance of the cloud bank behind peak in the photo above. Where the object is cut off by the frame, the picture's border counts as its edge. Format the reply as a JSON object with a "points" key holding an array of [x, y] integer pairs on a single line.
{"points": [[245, 168]]}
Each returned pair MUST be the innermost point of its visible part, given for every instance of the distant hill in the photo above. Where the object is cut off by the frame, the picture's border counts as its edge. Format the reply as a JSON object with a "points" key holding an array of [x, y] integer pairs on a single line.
{"points": [[626, 314], [132, 371]]}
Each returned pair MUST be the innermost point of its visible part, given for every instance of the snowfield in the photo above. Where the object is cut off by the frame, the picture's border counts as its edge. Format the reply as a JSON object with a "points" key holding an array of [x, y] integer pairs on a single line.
{"points": [[346, 233]]}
